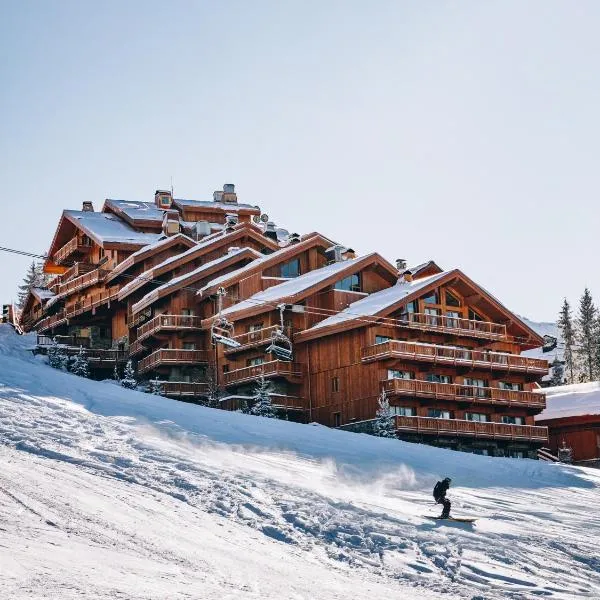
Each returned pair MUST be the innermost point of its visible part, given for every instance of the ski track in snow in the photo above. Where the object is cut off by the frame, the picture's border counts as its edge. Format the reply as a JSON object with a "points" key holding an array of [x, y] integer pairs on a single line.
{"points": [[529, 542]]}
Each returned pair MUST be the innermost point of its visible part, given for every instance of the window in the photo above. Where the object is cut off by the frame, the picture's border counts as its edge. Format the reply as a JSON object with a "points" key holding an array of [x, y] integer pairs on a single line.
{"points": [[291, 269], [403, 411], [335, 385], [473, 316], [254, 362], [412, 307], [477, 387], [395, 374], [435, 378], [451, 300], [187, 312], [255, 326], [337, 419], [225, 368], [510, 420], [507, 385], [452, 319], [431, 298], [189, 346], [101, 252], [437, 413], [254, 331], [349, 284], [479, 417], [382, 339], [431, 316]]}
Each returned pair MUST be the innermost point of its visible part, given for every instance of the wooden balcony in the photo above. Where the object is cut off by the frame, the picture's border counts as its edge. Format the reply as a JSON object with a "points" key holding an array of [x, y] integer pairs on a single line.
{"points": [[271, 369], [89, 278], [72, 248], [460, 428], [474, 359], [169, 323], [184, 389], [454, 326], [463, 393], [169, 356], [136, 348], [279, 401], [254, 339], [105, 358]]}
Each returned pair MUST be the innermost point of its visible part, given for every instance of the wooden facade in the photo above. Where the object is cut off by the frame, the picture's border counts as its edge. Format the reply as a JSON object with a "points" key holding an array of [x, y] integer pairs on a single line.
{"points": [[329, 330]]}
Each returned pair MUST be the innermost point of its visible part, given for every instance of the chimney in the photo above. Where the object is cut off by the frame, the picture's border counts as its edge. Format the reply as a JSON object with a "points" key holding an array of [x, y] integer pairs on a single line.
{"points": [[293, 238], [348, 254], [170, 224], [87, 206], [400, 264], [228, 194], [270, 231], [163, 199], [334, 253], [218, 196]]}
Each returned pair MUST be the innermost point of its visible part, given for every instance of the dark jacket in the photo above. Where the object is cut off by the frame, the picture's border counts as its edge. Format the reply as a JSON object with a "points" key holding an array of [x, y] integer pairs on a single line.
{"points": [[440, 489]]}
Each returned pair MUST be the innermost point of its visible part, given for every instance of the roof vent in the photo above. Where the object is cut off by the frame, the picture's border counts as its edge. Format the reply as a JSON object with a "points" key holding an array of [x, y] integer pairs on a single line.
{"points": [[400, 264], [163, 199], [87, 206], [218, 196], [231, 219], [293, 238], [334, 253], [270, 231], [348, 254], [170, 224], [201, 229]]}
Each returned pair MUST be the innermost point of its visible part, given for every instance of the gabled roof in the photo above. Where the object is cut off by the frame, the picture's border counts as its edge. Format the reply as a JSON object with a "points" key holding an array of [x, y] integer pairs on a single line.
{"points": [[265, 262], [208, 244], [135, 213], [188, 279], [385, 302], [422, 269], [147, 251], [41, 294], [293, 290]]}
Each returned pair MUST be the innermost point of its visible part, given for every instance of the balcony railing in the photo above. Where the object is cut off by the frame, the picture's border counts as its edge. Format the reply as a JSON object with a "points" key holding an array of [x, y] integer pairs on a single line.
{"points": [[169, 356], [453, 356], [70, 248], [82, 281], [470, 393], [456, 427], [279, 401], [184, 388], [274, 368], [136, 348], [168, 323], [252, 339], [454, 325]]}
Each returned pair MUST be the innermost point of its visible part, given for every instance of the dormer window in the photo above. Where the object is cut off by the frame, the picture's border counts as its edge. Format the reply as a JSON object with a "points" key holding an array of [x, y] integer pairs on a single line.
{"points": [[291, 269], [348, 284]]}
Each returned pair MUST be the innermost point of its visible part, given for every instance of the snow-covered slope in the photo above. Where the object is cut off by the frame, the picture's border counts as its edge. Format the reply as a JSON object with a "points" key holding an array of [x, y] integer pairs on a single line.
{"points": [[108, 493]]}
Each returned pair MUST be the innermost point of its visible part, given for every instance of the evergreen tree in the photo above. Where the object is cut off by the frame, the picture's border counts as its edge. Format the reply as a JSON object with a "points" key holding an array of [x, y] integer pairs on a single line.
{"points": [[262, 406], [80, 365], [129, 380], [116, 376], [33, 278], [587, 335], [567, 331], [558, 373], [384, 424], [155, 387], [54, 358], [213, 393]]}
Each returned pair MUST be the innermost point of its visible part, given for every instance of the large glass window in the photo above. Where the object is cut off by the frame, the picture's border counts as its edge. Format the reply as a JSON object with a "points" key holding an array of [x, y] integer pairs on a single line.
{"points": [[291, 269], [437, 413], [451, 299], [480, 417], [403, 411], [477, 387], [349, 284], [431, 298], [507, 385], [412, 307], [473, 316], [510, 420], [254, 362], [435, 378], [382, 339], [396, 374], [431, 316], [452, 319]]}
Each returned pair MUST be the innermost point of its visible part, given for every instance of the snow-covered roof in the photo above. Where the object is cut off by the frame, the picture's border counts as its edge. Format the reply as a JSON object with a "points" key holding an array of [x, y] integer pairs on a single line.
{"points": [[576, 400], [147, 211], [224, 206], [160, 291], [379, 301], [292, 287], [109, 228], [41, 293]]}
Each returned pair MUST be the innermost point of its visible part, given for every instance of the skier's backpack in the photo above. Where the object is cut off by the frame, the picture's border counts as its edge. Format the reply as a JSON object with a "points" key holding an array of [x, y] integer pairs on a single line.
{"points": [[437, 491]]}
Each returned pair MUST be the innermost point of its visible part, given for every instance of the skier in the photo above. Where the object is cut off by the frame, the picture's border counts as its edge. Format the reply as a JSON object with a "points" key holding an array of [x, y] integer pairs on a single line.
{"points": [[439, 494]]}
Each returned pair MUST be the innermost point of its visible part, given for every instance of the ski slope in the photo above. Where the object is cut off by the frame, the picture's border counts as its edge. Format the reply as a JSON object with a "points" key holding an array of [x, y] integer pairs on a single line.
{"points": [[110, 493]]}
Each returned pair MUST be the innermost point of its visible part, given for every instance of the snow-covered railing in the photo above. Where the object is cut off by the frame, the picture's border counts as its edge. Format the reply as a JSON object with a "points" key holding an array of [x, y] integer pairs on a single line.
{"points": [[454, 391], [89, 278], [184, 388], [168, 322], [136, 348], [273, 368], [453, 356], [77, 244], [255, 338], [459, 427], [456, 325], [170, 356]]}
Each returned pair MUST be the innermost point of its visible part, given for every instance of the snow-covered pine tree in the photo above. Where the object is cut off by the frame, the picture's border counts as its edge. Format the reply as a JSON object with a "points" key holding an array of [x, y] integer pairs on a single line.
{"points": [[262, 406], [31, 279], [558, 372], [587, 336], [567, 332], [54, 356], [129, 380], [384, 424], [80, 365], [116, 375], [155, 387]]}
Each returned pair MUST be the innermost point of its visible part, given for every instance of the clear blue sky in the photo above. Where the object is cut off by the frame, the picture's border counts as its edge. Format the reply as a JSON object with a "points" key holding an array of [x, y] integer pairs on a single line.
{"points": [[466, 132]]}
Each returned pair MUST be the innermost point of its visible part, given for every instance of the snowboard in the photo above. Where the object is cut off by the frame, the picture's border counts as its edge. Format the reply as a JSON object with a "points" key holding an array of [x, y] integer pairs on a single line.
{"points": [[455, 519]]}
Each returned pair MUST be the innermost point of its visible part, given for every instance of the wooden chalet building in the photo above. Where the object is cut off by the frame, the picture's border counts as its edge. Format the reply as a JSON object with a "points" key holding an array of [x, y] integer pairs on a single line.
{"points": [[206, 295]]}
